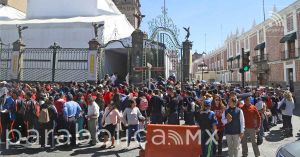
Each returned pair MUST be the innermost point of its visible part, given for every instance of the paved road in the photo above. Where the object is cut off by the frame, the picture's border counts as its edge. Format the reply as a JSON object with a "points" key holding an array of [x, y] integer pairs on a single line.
{"points": [[274, 139], [272, 142]]}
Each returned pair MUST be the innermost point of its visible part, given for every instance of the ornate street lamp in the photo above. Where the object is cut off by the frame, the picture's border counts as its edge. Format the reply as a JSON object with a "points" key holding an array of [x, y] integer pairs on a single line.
{"points": [[202, 65]]}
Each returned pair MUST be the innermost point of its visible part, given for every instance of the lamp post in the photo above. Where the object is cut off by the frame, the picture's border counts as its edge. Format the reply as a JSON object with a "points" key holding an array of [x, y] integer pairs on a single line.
{"points": [[202, 65]]}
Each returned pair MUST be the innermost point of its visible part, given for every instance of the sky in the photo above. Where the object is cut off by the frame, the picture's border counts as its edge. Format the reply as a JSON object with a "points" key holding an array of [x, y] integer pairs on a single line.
{"points": [[215, 18]]}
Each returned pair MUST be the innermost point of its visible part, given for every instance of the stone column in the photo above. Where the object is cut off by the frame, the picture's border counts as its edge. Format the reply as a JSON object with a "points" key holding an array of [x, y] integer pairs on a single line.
{"points": [[93, 72], [135, 77], [17, 61], [186, 61]]}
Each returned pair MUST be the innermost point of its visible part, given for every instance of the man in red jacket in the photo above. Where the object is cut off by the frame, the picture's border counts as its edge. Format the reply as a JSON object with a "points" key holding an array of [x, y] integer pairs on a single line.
{"points": [[252, 125]]}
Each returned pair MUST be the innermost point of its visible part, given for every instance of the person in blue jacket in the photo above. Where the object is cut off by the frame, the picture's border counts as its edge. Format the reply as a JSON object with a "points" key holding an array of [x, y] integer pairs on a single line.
{"points": [[7, 112], [207, 122]]}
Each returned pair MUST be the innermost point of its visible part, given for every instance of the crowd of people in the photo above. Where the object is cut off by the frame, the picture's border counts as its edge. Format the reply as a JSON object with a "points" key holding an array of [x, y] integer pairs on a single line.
{"points": [[237, 113]]}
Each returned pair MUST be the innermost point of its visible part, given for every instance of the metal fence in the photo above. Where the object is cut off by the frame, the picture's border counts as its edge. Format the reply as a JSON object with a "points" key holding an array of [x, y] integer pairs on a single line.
{"points": [[70, 65], [36, 65], [5, 63]]}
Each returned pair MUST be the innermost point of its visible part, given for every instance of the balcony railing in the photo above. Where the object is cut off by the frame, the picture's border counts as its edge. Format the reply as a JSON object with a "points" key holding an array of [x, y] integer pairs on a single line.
{"points": [[289, 54], [260, 58], [264, 67]]}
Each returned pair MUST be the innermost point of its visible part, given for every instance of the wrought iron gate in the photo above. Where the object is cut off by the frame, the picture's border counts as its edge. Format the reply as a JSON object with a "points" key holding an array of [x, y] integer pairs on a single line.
{"points": [[5, 63], [37, 63]]}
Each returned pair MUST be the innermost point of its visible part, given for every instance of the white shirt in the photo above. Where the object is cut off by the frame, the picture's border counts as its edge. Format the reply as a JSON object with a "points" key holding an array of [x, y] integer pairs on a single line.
{"points": [[290, 106], [93, 110], [242, 120]]}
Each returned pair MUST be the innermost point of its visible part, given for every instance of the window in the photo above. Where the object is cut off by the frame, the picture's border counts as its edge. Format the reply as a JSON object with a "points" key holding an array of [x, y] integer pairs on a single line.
{"points": [[237, 47], [261, 36], [262, 54], [291, 49], [289, 23]]}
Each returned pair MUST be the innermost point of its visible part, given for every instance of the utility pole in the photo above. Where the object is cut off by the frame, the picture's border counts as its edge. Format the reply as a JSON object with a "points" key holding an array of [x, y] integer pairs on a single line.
{"points": [[264, 11]]}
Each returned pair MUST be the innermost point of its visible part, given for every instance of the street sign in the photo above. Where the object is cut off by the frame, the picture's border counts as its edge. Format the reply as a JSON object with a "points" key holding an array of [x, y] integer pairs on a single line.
{"points": [[158, 69]]}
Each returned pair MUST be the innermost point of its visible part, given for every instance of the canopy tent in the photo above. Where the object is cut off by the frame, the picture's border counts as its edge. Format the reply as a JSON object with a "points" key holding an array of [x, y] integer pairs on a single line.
{"points": [[70, 8], [9, 13], [69, 29]]}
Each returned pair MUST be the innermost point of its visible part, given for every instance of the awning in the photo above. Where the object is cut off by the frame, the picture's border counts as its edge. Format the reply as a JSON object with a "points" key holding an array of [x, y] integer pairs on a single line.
{"points": [[289, 37], [230, 59], [260, 46]]}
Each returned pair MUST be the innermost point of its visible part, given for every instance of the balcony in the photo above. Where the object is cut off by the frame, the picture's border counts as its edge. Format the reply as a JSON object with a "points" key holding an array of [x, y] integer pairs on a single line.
{"points": [[260, 58], [289, 54], [263, 67]]}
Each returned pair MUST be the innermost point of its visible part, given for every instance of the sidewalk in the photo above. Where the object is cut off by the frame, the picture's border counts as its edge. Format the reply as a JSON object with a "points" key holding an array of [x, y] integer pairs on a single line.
{"points": [[274, 139]]}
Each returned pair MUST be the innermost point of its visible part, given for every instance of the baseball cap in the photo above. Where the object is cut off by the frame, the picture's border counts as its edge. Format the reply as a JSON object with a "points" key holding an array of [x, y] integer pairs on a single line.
{"points": [[207, 102], [259, 105], [244, 96]]}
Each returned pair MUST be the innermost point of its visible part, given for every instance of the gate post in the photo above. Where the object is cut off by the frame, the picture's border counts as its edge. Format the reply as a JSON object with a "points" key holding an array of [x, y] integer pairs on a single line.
{"points": [[55, 47], [92, 77], [186, 61], [136, 56], [17, 60]]}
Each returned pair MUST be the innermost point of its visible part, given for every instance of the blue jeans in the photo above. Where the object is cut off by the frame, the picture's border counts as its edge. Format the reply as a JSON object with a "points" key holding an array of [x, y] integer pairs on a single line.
{"points": [[260, 134], [80, 123], [132, 129], [100, 120]]}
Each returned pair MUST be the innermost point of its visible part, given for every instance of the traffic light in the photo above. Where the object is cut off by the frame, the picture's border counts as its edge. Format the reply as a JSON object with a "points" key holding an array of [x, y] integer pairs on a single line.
{"points": [[245, 61], [246, 68]]}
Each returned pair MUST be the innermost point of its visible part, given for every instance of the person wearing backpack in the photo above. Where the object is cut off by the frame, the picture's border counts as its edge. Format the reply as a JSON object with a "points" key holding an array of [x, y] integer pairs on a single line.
{"points": [[20, 112], [7, 107], [188, 105], [31, 117], [44, 120], [287, 106], [53, 114], [156, 106], [208, 123]]}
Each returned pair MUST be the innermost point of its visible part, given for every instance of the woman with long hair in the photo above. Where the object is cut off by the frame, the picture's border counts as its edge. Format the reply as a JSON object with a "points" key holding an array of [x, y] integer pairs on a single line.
{"points": [[218, 108], [132, 117], [111, 118], [287, 105]]}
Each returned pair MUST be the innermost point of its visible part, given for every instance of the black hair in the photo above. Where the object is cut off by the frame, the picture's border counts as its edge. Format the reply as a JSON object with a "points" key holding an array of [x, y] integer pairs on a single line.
{"points": [[29, 94], [69, 97]]}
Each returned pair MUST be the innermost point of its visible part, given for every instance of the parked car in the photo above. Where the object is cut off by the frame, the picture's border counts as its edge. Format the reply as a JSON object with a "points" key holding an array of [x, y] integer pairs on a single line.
{"points": [[289, 150]]}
